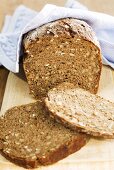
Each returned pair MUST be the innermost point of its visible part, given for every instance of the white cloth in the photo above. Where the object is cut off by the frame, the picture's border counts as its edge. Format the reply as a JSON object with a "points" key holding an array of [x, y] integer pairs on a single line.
{"points": [[24, 20]]}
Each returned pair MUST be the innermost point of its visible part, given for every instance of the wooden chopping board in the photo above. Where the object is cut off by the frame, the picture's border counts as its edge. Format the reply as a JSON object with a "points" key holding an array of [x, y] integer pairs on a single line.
{"points": [[97, 154]]}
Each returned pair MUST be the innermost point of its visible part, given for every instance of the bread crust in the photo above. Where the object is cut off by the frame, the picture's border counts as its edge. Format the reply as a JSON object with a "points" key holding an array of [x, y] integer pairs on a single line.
{"points": [[61, 153], [72, 26]]}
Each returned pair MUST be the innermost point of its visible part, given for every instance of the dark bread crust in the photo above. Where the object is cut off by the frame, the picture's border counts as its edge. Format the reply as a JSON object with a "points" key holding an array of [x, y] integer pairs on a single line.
{"points": [[60, 153], [28, 164], [65, 150], [70, 26], [69, 146]]}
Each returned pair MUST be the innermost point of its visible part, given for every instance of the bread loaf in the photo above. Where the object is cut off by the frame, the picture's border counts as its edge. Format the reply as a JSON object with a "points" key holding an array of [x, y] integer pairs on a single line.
{"points": [[30, 138], [65, 50], [81, 110]]}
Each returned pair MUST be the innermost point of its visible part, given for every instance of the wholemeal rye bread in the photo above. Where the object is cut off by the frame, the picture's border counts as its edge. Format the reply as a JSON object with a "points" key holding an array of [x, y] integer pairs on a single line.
{"points": [[81, 110], [29, 137], [65, 50]]}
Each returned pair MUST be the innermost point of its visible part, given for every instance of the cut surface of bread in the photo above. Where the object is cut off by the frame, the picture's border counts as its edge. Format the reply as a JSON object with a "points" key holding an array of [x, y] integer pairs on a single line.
{"points": [[29, 137], [65, 50], [81, 110]]}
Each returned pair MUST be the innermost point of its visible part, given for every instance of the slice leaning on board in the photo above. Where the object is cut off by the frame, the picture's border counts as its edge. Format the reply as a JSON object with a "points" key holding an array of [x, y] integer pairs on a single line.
{"points": [[81, 110]]}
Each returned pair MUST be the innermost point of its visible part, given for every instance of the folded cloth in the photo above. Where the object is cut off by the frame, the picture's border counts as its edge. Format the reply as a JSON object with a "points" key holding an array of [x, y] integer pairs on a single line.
{"points": [[24, 20]]}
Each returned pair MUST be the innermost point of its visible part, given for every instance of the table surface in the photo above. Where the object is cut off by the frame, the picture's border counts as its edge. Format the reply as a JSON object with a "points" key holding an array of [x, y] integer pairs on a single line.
{"points": [[97, 154]]}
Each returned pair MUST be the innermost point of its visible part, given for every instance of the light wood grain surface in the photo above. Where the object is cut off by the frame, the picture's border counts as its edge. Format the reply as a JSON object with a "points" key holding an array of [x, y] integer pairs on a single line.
{"points": [[97, 154]]}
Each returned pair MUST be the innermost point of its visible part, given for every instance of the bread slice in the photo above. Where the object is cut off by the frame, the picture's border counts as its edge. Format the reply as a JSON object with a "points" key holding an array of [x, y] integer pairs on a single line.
{"points": [[30, 138], [81, 110], [65, 50]]}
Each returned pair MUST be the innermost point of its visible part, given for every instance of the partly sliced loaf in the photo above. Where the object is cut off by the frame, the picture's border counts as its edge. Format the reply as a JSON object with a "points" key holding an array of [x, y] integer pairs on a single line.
{"points": [[29, 137], [65, 50], [81, 110]]}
